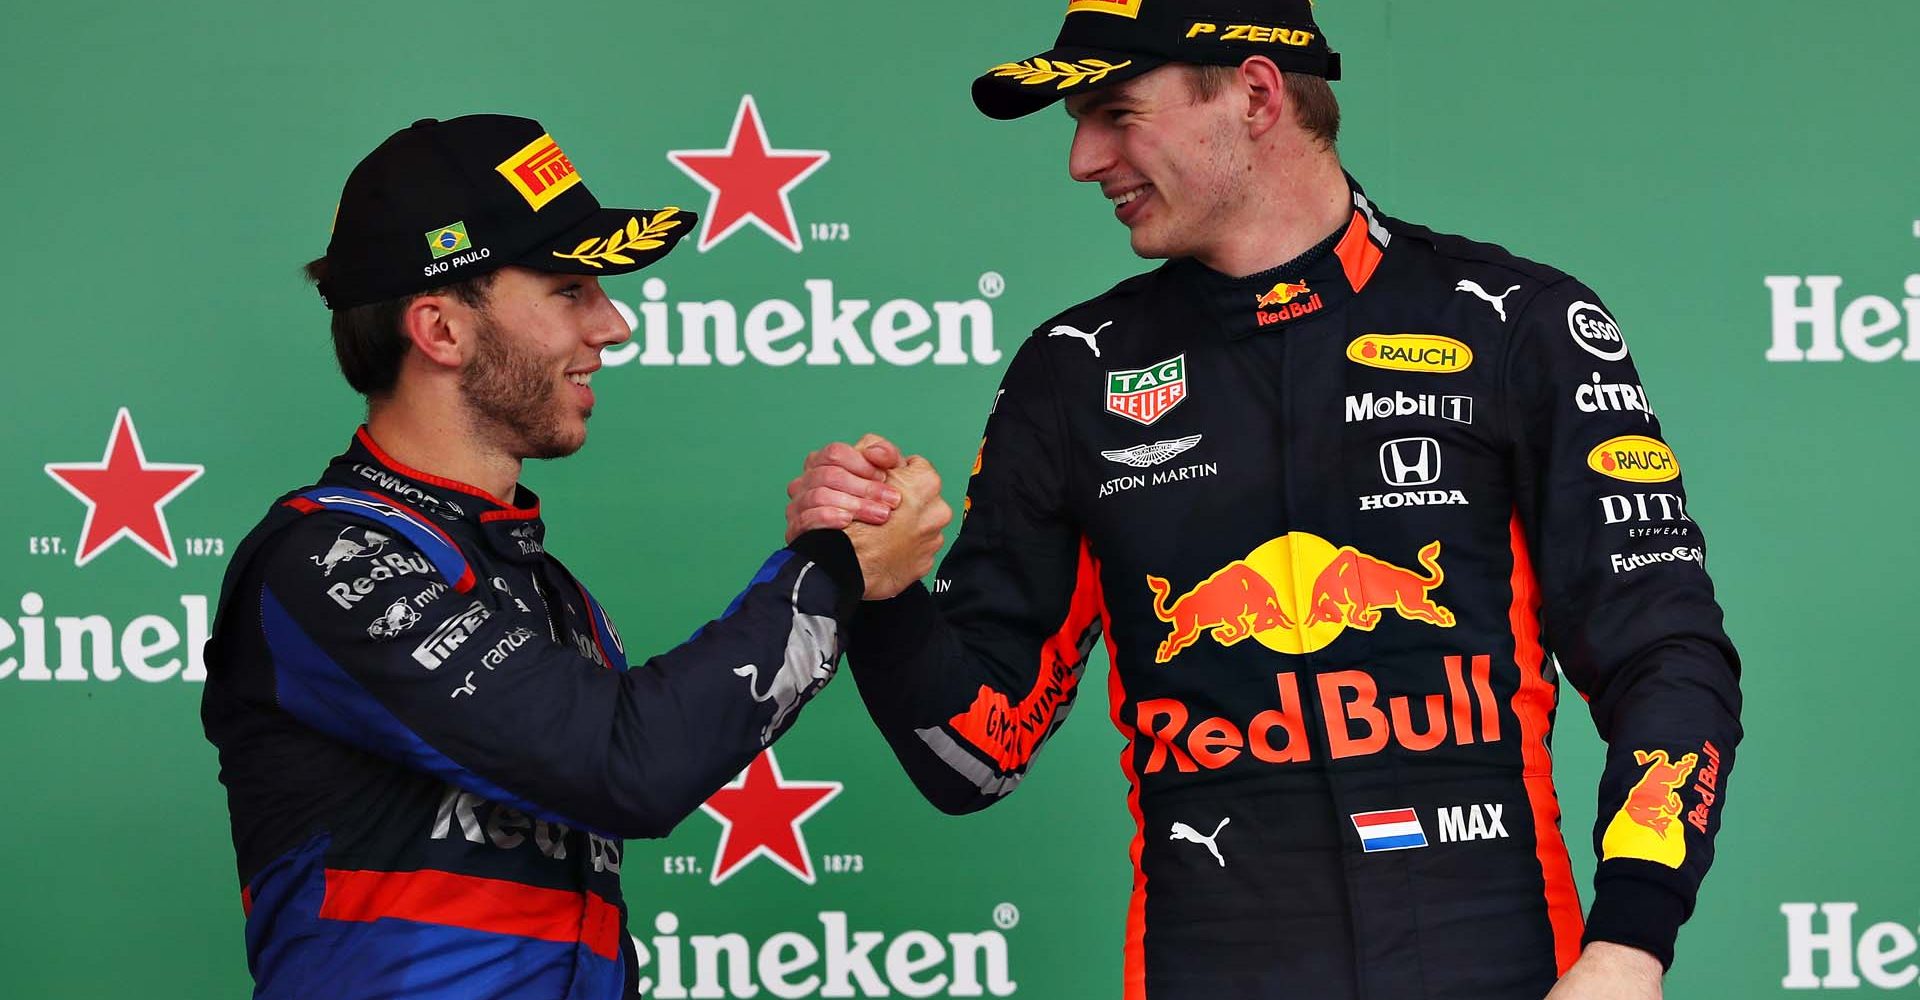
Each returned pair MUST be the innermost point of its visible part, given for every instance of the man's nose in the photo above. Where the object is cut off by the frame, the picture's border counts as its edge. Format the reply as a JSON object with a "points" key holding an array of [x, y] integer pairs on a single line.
{"points": [[608, 327], [1092, 152]]}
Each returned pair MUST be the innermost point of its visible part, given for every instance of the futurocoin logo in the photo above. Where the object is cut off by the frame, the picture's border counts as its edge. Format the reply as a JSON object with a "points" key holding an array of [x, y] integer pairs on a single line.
{"points": [[1410, 352], [1634, 458]]}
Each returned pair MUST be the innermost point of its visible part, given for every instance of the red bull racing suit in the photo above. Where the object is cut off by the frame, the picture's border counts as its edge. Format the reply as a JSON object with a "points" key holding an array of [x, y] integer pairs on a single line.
{"points": [[1337, 522], [432, 743]]}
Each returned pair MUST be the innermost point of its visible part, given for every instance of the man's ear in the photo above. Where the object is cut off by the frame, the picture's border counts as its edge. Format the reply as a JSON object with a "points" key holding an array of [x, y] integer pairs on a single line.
{"points": [[438, 327], [1265, 89]]}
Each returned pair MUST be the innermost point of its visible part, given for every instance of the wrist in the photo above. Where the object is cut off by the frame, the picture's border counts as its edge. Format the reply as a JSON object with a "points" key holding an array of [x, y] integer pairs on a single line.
{"points": [[1624, 959]]}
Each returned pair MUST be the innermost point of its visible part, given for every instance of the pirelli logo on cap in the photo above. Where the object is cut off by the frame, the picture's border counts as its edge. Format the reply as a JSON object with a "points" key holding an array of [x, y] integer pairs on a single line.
{"points": [[539, 171], [1124, 8]]}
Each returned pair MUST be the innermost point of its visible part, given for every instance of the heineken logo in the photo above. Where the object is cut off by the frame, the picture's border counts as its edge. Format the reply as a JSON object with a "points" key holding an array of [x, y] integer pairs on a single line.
{"points": [[1144, 395]]}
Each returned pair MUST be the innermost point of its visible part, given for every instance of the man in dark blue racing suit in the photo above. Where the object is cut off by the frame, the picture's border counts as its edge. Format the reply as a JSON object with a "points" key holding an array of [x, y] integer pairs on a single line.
{"points": [[430, 733], [1332, 486]]}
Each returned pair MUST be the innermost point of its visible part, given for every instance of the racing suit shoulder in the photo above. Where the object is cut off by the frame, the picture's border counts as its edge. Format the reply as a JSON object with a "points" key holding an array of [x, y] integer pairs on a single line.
{"points": [[1452, 246], [1124, 296]]}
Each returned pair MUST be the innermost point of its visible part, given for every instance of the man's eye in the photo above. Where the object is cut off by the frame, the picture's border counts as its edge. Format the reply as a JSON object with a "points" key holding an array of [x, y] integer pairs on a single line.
{"points": [[572, 291]]}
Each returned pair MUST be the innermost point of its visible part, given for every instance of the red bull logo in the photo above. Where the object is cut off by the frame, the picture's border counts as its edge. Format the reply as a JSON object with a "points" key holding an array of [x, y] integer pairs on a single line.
{"points": [[1296, 594], [1357, 721], [1647, 827], [1283, 293], [1284, 301]]}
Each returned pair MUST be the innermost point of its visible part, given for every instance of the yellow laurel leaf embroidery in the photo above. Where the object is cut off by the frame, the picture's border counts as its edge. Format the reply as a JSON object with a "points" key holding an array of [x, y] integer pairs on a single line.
{"points": [[634, 236]]}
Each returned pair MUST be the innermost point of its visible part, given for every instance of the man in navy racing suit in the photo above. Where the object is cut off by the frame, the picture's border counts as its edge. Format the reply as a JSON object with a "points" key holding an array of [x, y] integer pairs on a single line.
{"points": [[1332, 486], [430, 732]]}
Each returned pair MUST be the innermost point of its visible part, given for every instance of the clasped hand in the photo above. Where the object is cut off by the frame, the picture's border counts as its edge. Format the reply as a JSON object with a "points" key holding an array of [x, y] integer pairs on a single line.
{"points": [[889, 506]]}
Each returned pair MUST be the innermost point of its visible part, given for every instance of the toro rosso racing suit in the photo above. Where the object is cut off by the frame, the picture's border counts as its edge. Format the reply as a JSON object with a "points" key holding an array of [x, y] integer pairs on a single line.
{"points": [[1331, 520], [432, 743]]}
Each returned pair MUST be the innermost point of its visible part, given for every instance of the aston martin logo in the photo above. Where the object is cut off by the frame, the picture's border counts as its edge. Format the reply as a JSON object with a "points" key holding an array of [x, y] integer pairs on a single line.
{"points": [[1141, 456]]}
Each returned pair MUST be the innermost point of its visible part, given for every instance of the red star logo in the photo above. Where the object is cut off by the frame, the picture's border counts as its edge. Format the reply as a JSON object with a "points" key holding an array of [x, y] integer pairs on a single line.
{"points": [[748, 181], [760, 815], [124, 493]]}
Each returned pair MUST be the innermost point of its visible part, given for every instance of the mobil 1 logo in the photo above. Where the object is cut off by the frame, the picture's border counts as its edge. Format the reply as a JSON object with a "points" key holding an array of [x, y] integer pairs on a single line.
{"points": [[1380, 406]]}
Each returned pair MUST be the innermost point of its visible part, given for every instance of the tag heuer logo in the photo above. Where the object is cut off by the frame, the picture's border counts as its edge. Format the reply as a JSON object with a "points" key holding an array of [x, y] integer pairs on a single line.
{"points": [[1144, 395]]}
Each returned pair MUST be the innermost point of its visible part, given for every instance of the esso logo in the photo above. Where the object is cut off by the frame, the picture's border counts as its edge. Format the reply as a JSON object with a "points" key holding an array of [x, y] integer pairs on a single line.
{"points": [[1595, 331]]}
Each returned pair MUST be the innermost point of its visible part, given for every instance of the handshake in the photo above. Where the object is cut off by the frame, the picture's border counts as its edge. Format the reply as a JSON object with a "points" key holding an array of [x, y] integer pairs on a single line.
{"points": [[890, 508]]}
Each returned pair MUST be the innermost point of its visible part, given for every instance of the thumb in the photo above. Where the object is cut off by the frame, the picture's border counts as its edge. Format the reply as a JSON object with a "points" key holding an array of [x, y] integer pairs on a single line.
{"points": [[878, 450]]}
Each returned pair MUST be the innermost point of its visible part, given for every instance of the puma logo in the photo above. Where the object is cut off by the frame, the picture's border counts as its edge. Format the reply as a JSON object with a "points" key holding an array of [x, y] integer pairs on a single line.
{"points": [[1063, 330], [1182, 831], [1498, 302]]}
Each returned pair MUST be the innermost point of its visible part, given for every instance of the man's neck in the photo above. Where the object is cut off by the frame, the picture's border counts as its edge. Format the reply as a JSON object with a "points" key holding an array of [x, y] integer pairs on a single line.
{"points": [[1297, 202], [443, 445]]}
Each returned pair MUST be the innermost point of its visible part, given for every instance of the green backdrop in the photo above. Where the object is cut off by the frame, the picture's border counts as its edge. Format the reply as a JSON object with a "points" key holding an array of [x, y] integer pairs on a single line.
{"points": [[169, 168]]}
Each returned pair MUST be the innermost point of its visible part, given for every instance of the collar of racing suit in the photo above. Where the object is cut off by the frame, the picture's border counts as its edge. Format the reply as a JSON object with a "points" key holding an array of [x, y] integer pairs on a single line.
{"points": [[514, 531], [1324, 277]]}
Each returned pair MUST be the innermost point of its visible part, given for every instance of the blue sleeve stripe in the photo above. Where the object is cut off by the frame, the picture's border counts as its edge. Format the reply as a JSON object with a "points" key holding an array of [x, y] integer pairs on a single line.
{"points": [[768, 570], [319, 692], [425, 536], [610, 645]]}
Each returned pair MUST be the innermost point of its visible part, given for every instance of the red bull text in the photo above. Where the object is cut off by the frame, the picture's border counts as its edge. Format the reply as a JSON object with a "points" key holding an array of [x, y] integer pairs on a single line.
{"points": [[1357, 722]]}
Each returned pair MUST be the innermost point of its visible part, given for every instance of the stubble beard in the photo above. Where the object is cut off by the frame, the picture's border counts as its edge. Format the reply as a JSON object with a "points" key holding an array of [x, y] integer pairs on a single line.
{"points": [[513, 399]]}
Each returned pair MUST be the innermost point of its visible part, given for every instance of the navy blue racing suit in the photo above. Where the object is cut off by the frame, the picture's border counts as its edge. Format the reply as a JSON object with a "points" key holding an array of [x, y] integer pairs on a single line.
{"points": [[433, 744], [1331, 520]]}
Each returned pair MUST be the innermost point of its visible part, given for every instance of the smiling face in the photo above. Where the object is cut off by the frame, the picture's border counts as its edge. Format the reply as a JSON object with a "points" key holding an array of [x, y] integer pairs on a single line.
{"points": [[539, 339], [1176, 168]]}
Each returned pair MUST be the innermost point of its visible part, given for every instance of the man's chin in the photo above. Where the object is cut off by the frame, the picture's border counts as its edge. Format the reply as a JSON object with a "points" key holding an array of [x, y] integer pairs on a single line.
{"points": [[1147, 248], [559, 444]]}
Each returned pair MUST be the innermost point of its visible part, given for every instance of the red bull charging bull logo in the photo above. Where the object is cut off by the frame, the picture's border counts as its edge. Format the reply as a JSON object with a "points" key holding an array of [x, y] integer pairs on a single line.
{"points": [[1284, 301], [1296, 594], [1648, 824]]}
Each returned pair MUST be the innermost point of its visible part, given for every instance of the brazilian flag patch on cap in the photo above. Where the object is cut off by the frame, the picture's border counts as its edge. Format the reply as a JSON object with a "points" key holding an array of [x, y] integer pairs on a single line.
{"points": [[448, 239]]}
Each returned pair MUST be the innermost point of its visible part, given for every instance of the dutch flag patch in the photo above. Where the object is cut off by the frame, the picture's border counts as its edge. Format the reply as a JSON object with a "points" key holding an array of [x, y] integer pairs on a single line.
{"points": [[1389, 830]]}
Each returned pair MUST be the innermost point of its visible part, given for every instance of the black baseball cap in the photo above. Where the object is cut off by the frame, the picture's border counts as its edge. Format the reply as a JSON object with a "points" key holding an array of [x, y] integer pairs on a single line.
{"points": [[440, 202], [1107, 41]]}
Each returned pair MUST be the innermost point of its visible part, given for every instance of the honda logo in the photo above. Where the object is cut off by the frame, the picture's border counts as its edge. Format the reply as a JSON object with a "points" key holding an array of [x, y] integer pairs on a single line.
{"points": [[1410, 461]]}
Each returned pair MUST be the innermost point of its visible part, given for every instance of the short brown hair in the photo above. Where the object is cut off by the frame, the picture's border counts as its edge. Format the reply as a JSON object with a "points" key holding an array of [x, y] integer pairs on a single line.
{"points": [[367, 339], [1314, 105]]}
